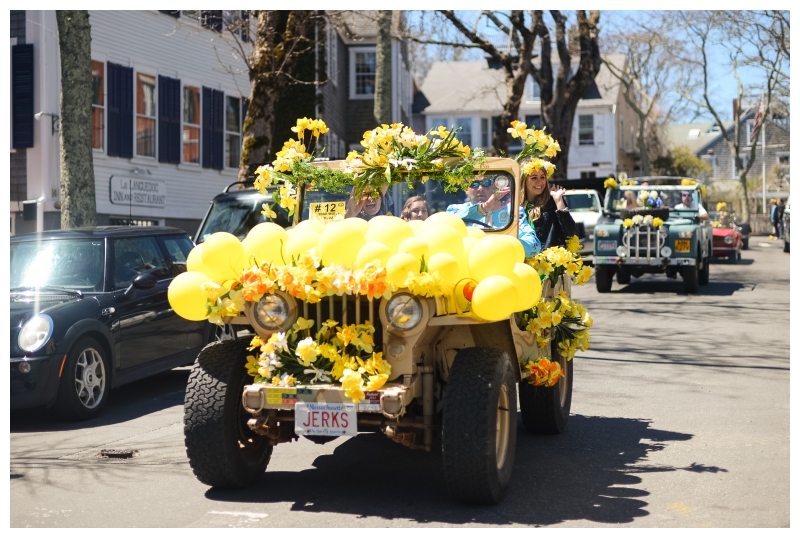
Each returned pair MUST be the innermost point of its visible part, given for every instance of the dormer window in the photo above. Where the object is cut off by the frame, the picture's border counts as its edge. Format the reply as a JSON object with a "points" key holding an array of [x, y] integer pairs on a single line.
{"points": [[694, 133]]}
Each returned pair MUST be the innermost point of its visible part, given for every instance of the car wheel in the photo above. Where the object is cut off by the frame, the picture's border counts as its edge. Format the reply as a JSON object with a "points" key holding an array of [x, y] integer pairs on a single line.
{"points": [[223, 332], [732, 257], [603, 278], [85, 382], [705, 271], [546, 409], [222, 450], [479, 426], [745, 243], [691, 279], [623, 276]]}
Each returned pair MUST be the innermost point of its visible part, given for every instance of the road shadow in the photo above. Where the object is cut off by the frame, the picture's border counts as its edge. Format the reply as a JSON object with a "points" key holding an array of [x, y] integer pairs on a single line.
{"points": [[125, 403], [650, 287], [588, 473], [723, 261]]}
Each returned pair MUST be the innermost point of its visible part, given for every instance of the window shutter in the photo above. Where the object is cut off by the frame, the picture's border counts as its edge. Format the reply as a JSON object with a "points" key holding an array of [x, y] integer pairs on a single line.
{"points": [[22, 95], [169, 120], [206, 138], [218, 125], [211, 19], [171, 12], [120, 111]]}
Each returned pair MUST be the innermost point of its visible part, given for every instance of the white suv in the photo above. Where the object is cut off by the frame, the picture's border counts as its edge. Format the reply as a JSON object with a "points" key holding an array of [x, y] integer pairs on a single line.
{"points": [[585, 207]]}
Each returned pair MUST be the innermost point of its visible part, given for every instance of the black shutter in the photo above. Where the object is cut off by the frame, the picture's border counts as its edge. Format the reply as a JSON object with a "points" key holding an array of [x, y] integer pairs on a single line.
{"points": [[169, 120], [22, 95], [171, 12], [218, 140], [244, 24], [120, 111], [211, 19], [206, 138]]}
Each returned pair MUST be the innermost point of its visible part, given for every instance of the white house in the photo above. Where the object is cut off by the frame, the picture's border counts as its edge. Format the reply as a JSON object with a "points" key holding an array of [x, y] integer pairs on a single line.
{"points": [[470, 95]]}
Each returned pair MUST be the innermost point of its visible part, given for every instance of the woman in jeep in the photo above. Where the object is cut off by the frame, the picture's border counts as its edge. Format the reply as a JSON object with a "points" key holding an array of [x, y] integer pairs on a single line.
{"points": [[544, 205]]}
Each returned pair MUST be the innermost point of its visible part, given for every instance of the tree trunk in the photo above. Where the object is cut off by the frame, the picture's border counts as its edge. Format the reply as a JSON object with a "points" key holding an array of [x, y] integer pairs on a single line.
{"points": [[78, 205], [383, 69], [515, 87], [644, 155]]}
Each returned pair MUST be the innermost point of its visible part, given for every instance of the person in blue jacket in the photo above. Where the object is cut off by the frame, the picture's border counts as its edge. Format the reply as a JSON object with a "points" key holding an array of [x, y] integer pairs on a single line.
{"points": [[490, 204]]}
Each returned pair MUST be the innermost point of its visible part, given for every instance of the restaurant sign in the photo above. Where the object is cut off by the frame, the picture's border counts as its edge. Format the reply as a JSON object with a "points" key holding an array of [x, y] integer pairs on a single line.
{"points": [[137, 191]]}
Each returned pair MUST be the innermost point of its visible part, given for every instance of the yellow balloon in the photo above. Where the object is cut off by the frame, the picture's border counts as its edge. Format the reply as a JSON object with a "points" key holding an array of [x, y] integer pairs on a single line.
{"points": [[194, 261], [530, 289], [223, 256], [443, 239], [416, 247], [443, 218], [313, 225], [446, 266], [494, 298], [469, 242], [474, 231], [512, 276], [264, 243], [491, 256], [300, 241], [353, 222], [391, 231], [186, 297], [517, 244], [340, 242], [371, 252], [398, 267], [415, 225]]}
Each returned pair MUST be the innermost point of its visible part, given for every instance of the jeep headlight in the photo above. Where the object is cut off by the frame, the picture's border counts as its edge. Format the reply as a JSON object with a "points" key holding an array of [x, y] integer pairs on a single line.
{"points": [[728, 239], [666, 252], [35, 333], [404, 311], [685, 235], [271, 312], [622, 251]]}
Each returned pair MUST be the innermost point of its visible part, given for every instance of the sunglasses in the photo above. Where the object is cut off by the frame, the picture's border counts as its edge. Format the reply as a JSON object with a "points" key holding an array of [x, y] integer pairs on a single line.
{"points": [[485, 183]]}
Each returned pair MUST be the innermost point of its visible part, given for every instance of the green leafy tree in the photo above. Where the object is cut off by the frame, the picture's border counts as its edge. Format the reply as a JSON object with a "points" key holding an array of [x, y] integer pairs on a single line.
{"points": [[680, 161]]}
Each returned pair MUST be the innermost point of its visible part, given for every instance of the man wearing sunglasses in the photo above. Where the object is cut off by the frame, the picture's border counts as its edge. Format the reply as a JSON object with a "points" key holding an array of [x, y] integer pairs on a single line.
{"points": [[490, 203], [687, 202]]}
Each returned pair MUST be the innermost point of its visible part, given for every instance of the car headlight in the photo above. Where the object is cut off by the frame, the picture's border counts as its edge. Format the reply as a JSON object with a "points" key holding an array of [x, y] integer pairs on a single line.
{"points": [[404, 311], [666, 252], [603, 233], [622, 251], [728, 239], [35, 333], [271, 312], [685, 235]]}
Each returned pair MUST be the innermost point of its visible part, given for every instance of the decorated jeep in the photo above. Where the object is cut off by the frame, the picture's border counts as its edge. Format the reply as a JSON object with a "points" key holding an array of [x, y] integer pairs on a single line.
{"points": [[653, 225], [418, 327]]}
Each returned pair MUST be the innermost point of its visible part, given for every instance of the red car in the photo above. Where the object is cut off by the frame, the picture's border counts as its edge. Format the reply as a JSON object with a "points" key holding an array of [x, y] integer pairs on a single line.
{"points": [[727, 237]]}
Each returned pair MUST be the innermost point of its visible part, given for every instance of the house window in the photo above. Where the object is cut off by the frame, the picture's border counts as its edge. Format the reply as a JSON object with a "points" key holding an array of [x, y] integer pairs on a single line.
{"points": [[534, 91], [485, 133], [588, 175], [331, 55], [364, 65], [145, 115], [465, 134], [751, 124], [437, 122], [586, 130], [233, 131], [533, 122], [783, 159], [191, 124], [98, 103]]}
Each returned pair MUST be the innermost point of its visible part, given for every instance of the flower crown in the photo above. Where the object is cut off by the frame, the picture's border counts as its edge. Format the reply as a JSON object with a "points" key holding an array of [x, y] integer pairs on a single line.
{"points": [[536, 164]]}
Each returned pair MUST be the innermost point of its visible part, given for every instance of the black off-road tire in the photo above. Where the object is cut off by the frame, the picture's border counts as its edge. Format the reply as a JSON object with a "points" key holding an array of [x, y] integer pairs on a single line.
{"points": [[223, 452], [546, 409], [785, 246], [74, 401], [705, 272], [479, 426], [691, 278], [603, 278], [623, 276], [746, 243]]}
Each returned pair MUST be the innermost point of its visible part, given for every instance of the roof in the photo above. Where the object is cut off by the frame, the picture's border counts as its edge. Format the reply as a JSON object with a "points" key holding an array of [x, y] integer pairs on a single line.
{"points": [[101, 232], [694, 135], [481, 88]]}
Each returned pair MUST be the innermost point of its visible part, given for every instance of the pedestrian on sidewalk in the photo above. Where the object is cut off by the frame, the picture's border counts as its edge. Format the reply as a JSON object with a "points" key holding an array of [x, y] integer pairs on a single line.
{"points": [[779, 217]]}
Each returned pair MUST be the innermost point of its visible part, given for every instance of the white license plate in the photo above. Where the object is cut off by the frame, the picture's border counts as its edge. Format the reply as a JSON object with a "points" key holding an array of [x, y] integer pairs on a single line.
{"points": [[607, 245], [332, 419]]}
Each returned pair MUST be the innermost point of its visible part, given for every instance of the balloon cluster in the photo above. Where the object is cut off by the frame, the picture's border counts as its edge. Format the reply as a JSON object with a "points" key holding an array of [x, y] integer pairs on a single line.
{"points": [[484, 270]]}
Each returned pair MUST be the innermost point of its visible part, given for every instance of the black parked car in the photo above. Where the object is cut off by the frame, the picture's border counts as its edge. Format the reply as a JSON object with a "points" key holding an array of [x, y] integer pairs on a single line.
{"points": [[89, 312]]}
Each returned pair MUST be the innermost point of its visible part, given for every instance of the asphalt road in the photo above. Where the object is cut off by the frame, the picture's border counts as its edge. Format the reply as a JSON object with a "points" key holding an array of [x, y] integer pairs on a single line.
{"points": [[680, 419]]}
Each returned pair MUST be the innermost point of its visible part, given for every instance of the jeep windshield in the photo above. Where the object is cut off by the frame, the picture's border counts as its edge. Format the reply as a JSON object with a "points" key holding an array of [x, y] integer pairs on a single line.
{"points": [[679, 199], [420, 200], [582, 201]]}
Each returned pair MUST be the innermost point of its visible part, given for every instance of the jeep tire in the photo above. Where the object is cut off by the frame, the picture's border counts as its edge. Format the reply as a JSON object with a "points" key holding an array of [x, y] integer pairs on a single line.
{"points": [[623, 276], [691, 278], [603, 278], [223, 451], [546, 409], [479, 425], [705, 272]]}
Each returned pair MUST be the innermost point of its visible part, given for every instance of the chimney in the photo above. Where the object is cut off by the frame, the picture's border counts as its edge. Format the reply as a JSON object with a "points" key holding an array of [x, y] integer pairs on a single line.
{"points": [[735, 109]]}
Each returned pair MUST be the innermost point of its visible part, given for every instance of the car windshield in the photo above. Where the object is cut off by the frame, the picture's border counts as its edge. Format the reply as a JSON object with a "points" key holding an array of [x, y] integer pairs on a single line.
{"points": [[420, 200], [578, 202], [238, 215], [642, 196], [68, 263]]}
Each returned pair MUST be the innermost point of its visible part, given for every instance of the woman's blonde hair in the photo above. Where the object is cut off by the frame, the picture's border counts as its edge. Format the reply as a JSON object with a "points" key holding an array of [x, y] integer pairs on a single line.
{"points": [[538, 201]]}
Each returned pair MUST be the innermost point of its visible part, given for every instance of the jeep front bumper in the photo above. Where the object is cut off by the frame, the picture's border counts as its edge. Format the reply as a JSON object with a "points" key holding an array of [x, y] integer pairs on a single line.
{"points": [[654, 262]]}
